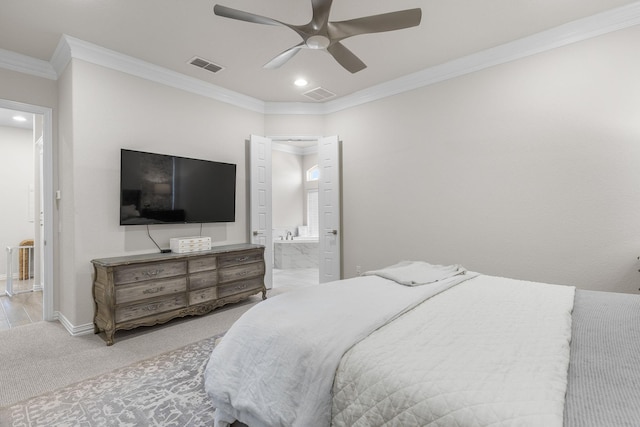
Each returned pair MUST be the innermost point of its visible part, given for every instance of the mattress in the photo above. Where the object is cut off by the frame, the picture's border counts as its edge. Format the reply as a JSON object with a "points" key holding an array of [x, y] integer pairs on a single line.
{"points": [[596, 384], [604, 370]]}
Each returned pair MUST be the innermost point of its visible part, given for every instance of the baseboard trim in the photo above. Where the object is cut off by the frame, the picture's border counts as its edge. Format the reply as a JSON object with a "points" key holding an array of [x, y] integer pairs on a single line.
{"points": [[73, 330]]}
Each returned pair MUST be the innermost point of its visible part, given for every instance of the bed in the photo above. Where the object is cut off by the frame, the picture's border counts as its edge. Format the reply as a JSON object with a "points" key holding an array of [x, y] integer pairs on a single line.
{"points": [[418, 344]]}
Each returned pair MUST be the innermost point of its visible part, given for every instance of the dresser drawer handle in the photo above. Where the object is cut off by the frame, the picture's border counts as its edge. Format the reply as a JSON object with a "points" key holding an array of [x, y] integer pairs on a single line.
{"points": [[151, 307], [153, 290], [242, 273], [152, 273], [241, 259], [241, 287]]}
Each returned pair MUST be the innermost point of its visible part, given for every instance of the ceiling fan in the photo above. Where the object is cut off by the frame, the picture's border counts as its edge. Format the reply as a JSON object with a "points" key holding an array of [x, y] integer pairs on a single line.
{"points": [[319, 33]]}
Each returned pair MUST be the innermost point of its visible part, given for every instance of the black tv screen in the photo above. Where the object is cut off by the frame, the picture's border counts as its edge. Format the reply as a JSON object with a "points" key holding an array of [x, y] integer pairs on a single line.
{"points": [[162, 189]]}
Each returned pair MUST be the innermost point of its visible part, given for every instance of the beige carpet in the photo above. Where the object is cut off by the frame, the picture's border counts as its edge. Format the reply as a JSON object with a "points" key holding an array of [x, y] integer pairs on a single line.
{"points": [[166, 390], [42, 357]]}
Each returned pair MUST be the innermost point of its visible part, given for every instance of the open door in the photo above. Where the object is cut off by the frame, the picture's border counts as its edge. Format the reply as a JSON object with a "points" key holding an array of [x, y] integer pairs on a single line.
{"points": [[260, 200], [329, 215]]}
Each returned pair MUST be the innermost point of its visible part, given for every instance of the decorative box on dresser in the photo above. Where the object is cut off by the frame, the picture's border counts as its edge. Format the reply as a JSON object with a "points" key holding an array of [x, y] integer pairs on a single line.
{"points": [[144, 290]]}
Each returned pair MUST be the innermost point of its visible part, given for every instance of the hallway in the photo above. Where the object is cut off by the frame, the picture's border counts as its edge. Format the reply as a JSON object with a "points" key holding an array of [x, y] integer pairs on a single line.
{"points": [[22, 308]]}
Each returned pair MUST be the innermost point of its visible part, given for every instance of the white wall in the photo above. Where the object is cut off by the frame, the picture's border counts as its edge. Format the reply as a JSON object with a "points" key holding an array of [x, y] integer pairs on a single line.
{"points": [[294, 125], [107, 111], [19, 87], [529, 170], [287, 191], [308, 161], [17, 176]]}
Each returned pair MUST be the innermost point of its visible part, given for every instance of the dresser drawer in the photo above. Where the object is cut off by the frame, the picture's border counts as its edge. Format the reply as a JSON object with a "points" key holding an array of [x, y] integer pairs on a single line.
{"points": [[202, 295], [202, 264], [146, 290], [201, 280], [149, 308], [239, 272], [138, 273], [239, 258], [239, 287]]}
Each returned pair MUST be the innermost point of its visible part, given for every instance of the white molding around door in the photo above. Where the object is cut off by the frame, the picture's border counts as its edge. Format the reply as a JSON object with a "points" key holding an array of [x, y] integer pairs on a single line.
{"points": [[329, 201], [47, 191]]}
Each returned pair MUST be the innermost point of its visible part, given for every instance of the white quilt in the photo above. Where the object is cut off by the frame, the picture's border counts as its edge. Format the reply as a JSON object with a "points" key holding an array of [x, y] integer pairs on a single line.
{"points": [[276, 365], [488, 352]]}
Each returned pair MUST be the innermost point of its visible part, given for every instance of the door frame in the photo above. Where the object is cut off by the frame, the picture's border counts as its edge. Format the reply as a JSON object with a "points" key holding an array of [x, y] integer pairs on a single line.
{"points": [[283, 139], [47, 170]]}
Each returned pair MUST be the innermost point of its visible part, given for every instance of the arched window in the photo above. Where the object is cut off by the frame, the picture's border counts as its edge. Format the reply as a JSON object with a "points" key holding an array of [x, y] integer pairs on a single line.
{"points": [[313, 173]]}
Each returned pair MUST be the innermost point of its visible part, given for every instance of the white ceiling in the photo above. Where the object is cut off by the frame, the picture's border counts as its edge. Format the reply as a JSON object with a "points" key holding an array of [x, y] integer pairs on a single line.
{"points": [[6, 119], [169, 33]]}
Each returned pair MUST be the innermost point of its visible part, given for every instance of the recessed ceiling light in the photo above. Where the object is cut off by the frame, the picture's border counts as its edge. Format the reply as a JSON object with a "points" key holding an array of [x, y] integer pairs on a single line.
{"points": [[301, 82], [20, 118]]}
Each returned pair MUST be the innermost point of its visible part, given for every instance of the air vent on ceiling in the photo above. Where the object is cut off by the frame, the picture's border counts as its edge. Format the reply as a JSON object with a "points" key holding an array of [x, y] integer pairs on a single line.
{"points": [[207, 65], [319, 94]]}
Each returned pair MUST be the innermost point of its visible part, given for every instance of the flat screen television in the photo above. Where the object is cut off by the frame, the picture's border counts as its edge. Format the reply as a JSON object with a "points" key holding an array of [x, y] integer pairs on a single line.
{"points": [[162, 189]]}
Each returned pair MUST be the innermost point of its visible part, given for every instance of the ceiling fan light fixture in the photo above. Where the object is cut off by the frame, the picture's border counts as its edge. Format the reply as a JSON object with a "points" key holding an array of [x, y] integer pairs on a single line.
{"points": [[321, 34], [317, 42]]}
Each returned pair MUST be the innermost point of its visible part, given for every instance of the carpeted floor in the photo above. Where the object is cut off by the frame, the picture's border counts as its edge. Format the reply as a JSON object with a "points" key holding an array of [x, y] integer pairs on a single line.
{"points": [[42, 357], [49, 378], [166, 390]]}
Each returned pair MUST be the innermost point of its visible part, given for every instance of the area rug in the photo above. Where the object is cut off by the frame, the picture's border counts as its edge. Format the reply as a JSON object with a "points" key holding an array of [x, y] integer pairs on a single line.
{"points": [[166, 390]]}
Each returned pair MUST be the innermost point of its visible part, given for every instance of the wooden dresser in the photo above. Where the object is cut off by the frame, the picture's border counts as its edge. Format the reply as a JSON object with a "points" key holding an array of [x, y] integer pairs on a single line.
{"points": [[144, 290]]}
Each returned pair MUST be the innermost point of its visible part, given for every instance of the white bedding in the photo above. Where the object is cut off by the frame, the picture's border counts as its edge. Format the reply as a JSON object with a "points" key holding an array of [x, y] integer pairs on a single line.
{"points": [[417, 273], [275, 366], [489, 352]]}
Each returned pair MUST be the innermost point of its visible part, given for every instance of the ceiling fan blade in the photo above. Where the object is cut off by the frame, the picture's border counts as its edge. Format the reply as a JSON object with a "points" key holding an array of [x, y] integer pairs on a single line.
{"points": [[346, 58], [284, 57], [375, 24], [240, 15], [321, 10]]}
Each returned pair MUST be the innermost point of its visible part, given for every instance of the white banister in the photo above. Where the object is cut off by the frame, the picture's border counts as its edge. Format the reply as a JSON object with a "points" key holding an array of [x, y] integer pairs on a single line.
{"points": [[24, 271]]}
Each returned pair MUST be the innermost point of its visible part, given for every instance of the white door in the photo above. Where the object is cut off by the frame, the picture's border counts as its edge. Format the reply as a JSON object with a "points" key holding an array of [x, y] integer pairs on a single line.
{"points": [[329, 217], [260, 200]]}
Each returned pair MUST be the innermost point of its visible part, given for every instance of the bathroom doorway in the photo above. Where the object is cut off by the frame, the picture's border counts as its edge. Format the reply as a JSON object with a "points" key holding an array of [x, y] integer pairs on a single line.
{"points": [[295, 211]]}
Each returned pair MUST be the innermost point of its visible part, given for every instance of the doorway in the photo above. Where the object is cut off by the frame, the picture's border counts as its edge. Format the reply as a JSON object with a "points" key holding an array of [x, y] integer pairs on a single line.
{"points": [[28, 259], [295, 231], [295, 212]]}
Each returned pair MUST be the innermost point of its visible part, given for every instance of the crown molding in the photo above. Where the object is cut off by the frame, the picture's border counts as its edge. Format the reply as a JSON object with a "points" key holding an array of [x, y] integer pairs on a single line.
{"points": [[572, 32], [71, 47], [26, 65], [61, 56]]}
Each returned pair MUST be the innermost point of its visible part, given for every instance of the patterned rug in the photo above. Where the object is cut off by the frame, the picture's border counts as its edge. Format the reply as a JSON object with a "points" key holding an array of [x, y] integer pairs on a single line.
{"points": [[167, 390]]}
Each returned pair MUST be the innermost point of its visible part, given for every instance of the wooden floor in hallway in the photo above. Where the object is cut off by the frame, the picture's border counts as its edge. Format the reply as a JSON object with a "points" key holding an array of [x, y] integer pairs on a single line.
{"points": [[24, 307]]}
